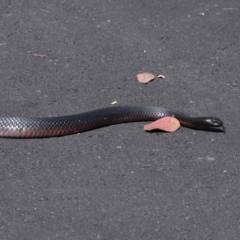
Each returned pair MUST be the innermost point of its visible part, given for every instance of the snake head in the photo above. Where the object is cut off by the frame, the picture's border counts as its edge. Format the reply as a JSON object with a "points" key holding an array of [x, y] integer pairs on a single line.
{"points": [[214, 122]]}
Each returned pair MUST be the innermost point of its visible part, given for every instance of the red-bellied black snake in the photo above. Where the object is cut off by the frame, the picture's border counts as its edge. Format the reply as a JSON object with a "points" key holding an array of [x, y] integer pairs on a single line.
{"points": [[28, 127]]}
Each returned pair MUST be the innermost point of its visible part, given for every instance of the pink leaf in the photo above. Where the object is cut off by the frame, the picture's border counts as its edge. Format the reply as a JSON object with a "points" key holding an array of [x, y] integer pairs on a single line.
{"points": [[145, 77], [167, 124]]}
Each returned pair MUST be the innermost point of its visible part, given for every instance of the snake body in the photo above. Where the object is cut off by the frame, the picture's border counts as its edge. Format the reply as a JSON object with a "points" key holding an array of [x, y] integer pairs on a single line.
{"points": [[28, 127]]}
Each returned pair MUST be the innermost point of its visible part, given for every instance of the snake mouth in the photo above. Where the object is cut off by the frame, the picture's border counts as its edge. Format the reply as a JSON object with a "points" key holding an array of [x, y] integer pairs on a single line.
{"points": [[223, 129]]}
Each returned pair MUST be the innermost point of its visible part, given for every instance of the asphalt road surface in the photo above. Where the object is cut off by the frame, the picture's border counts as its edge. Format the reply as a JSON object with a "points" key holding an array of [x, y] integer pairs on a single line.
{"points": [[119, 182]]}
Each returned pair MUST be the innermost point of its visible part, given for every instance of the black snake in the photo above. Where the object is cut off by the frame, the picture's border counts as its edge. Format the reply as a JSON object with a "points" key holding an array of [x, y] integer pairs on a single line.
{"points": [[28, 127]]}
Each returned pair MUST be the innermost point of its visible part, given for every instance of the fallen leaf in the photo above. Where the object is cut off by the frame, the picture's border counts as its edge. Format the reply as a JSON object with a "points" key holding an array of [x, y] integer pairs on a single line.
{"points": [[145, 77], [167, 124]]}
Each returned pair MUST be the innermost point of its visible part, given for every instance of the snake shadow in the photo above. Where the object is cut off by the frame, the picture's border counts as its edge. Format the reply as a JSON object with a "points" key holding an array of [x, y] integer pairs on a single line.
{"points": [[215, 130]]}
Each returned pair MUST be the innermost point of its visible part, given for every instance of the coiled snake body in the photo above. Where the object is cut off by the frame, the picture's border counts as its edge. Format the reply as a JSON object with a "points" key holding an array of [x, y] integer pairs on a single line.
{"points": [[27, 127]]}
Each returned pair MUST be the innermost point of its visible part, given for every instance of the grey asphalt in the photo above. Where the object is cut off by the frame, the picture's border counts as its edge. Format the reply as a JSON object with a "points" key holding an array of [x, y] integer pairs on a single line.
{"points": [[119, 182]]}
